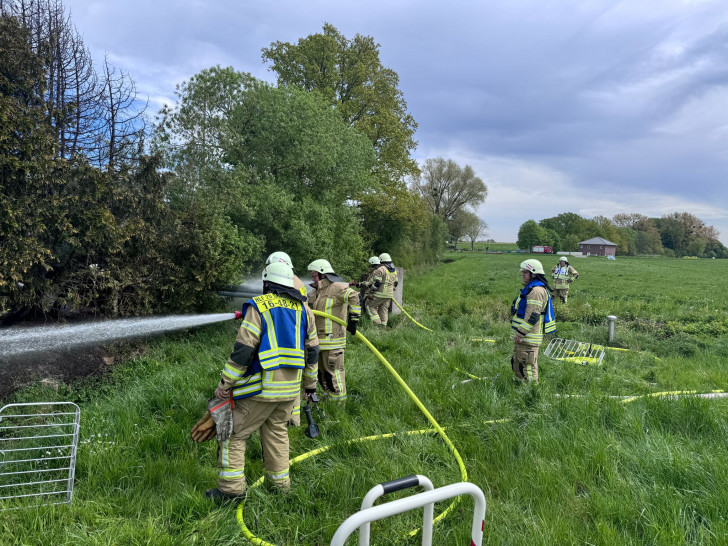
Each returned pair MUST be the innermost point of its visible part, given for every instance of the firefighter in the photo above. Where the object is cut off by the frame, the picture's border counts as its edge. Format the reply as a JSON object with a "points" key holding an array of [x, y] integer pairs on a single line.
{"points": [[276, 348], [532, 316], [380, 290], [286, 259], [282, 257], [374, 263], [335, 297], [563, 275]]}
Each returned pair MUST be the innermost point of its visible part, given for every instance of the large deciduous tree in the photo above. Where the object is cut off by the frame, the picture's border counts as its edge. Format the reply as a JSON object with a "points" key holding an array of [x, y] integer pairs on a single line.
{"points": [[448, 188], [474, 228], [307, 167], [531, 234], [680, 231], [279, 162], [348, 74]]}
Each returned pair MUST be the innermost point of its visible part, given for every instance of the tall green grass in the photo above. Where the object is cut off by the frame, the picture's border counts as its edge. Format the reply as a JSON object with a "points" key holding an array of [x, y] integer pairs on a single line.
{"points": [[588, 469]]}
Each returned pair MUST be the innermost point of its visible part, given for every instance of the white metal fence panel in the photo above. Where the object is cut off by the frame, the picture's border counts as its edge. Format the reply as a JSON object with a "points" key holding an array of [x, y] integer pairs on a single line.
{"points": [[38, 446], [568, 350], [369, 513]]}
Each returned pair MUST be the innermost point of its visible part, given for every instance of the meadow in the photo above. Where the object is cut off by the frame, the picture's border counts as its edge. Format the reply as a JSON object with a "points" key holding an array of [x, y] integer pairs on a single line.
{"points": [[481, 246], [561, 462]]}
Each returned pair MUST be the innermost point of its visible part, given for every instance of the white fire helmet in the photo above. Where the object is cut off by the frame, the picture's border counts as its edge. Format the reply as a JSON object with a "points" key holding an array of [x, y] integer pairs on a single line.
{"points": [[534, 266], [279, 273], [321, 266], [279, 257]]}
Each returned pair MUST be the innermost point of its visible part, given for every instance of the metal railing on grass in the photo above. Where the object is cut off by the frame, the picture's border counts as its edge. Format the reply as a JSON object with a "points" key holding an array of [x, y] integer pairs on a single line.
{"points": [[38, 446]]}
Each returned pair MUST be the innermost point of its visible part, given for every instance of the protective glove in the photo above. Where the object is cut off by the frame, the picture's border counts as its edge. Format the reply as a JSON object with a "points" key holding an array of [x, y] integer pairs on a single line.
{"points": [[396, 283], [204, 429], [569, 281], [222, 414], [309, 391], [351, 327]]}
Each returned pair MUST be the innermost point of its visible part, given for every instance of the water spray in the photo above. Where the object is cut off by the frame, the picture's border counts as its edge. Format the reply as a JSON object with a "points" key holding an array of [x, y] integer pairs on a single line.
{"points": [[17, 341]]}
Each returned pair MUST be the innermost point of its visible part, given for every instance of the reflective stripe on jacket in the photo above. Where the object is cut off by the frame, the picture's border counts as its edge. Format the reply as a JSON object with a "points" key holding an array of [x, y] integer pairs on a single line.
{"points": [[533, 316], [276, 332], [562, 276], [381, 282], [337, 299]]}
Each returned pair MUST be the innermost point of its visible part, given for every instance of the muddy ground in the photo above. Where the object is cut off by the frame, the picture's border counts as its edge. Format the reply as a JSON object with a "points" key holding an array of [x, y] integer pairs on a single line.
{"points": [[52, 368]]}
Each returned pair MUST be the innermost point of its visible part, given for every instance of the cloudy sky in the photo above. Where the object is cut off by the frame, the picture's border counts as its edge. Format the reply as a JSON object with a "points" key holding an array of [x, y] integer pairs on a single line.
{"points": [[588, 106]]}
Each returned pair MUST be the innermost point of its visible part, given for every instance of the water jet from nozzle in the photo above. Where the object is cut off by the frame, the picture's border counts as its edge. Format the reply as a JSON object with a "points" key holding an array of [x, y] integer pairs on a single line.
{"points": [[17, 341]]}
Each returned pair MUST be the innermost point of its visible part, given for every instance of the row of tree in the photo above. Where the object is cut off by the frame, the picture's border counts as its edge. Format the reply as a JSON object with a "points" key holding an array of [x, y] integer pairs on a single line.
{"points": [[677, 234], [101, 212]]}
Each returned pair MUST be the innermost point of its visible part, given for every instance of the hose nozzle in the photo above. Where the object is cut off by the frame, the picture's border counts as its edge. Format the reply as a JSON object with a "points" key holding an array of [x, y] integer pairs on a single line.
{"points": [[238, 315]]}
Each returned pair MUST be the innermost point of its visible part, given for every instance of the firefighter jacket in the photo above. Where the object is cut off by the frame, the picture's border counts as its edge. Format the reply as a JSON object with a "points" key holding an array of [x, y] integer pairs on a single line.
{"points": [[381, 282], [334, 298], [563, 276], [276, 347], [298, 285], [533, 314]]}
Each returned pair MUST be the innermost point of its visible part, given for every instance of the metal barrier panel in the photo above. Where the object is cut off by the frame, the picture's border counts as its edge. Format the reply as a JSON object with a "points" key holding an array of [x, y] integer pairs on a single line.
{"points": [[579, 352], [419, 500], [38, 446]]}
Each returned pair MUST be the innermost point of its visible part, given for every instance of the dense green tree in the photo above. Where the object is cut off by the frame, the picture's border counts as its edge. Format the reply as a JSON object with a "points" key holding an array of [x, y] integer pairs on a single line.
{"points": [[531, 234], [569, 223], [679, 229], [399, 223], [296, 139], [26, 151], [279, 163], [308, 168], [349, 75], [715, 249], [570, 243]]}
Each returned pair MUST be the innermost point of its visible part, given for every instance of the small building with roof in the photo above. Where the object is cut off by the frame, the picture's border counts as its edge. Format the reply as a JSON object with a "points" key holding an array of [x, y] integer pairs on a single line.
{"points": [[597, 246]]}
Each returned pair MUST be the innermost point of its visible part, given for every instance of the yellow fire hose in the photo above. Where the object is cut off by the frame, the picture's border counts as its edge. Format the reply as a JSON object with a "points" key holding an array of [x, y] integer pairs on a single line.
{"points": [[410, 316], [437, 428], [666, 394], [426, 328]]}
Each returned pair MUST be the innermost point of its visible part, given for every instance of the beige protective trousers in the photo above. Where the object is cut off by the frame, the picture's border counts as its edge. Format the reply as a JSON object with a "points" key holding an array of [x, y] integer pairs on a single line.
{"points": [[562, 294], [250, 415], [378, 309], [331, 375], [525, 362]]}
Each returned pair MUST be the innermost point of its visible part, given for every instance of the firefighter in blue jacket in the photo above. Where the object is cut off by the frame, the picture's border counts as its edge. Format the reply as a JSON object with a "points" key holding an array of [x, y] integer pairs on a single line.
{"points": [[532, 316], [276, 348]]}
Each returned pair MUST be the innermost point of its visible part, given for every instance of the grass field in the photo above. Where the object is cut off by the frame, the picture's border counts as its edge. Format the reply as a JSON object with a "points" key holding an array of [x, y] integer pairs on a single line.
{"points": [[492, 247], [560, 470]]}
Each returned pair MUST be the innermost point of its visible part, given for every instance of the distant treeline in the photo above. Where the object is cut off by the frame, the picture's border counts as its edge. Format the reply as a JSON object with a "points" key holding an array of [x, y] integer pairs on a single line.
{"points": [[678, 234], [102, 211]]}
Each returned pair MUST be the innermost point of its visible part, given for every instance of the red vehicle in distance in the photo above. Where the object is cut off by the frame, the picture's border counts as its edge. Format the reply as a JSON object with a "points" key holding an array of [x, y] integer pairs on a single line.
{"points": [[542, 250]]}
